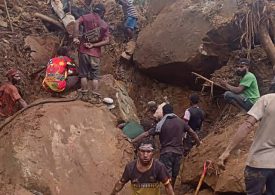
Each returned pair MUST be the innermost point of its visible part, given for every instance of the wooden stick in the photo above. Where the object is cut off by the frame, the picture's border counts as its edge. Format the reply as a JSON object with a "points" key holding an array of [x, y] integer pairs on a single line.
{"points": [[8, 14], [49, 19], [208, 80]]}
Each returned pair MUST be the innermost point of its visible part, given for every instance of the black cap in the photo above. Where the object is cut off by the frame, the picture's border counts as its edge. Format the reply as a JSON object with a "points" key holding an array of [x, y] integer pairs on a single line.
{"points": [[98, 8], [244, 61]]}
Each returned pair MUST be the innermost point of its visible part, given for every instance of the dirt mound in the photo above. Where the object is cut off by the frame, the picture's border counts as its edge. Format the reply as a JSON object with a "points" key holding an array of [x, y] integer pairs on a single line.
{"points": [[231, 179], [187, 37], [62, 148]]}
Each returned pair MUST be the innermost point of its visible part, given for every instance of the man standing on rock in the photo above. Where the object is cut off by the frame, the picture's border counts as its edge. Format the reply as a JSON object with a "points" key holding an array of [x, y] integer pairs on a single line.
{"points": [[260, 167], [145, 173], [247, 93], [9, 95], [131, 17], [171, 130], [95, 35]]}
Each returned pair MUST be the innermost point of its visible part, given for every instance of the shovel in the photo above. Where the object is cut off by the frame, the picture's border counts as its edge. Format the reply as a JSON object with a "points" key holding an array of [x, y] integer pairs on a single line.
{"points": [[206, 165]]}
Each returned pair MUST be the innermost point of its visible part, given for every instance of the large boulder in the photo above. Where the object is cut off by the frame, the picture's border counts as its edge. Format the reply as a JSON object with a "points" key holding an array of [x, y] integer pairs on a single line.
{"points": [[125, 107], [62, 149], [231, 180], [187, 37]]}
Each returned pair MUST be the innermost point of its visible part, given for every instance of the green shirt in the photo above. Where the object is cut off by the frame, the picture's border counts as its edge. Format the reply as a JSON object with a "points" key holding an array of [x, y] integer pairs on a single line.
{"points": [[251, 91]]}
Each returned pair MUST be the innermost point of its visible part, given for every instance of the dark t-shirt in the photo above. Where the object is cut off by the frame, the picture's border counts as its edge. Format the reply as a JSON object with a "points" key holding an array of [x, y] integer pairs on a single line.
{"points": [[147, 183], [171, 135], [196, 118]]}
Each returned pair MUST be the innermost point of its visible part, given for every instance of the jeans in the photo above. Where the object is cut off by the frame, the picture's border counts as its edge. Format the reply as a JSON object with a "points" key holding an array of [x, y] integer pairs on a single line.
{"points": [[243, 102], [257, 179]]}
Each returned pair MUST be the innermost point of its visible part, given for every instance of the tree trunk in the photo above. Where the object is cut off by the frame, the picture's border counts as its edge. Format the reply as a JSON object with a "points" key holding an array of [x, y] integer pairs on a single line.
{"points": [[267, 43], [67, 19]]}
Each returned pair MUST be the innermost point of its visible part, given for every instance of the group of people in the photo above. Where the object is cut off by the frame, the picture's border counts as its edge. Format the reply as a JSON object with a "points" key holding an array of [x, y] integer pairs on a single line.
{"points": [[146, 173], [91, 32], [260, 166]]}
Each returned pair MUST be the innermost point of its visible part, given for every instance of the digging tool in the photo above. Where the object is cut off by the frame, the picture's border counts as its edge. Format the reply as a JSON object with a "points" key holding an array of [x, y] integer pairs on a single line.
{"points": [[206, 165]]}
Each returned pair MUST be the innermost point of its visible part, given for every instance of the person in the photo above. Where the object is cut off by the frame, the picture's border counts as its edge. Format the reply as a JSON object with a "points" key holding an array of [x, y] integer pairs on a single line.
{"points": [[61, 74], [131, 17], [194, 117], [260, 166], [96, 35], [247, 93], [9, 94], [171, 130], [145, 173]]}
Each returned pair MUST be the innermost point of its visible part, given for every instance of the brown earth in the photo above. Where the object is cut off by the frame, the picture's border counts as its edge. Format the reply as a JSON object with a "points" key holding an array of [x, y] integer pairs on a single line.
{"points": [[229, 180], [69, 148], [63, 148]]}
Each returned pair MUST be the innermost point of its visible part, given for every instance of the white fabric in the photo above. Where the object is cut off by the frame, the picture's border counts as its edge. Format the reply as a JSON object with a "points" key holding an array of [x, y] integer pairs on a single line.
{"points": [[262, 151], [160, 123], [187, 115]]}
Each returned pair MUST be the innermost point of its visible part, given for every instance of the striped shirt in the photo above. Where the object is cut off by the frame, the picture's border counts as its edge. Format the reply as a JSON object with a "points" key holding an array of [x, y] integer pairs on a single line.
{"points": [[129, 9]]}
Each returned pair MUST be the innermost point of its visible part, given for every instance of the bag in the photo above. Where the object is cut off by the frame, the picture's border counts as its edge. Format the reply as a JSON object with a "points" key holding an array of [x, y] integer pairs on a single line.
{"points": [[92, 36]]}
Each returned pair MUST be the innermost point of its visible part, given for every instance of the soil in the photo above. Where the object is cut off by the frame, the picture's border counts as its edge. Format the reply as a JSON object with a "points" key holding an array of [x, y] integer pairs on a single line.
{"points": [[42, 151]]}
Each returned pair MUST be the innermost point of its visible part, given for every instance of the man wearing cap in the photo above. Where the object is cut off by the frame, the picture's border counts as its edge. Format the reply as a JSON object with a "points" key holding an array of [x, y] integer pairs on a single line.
{"points": [[9, 94], [95, 35], [260, 166], [145, 173], [171, 130], [247, 93]]}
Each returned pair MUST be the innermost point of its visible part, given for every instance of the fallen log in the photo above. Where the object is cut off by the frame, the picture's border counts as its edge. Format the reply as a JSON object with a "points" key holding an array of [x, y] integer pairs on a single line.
{"points": [[208, 80], [50, 20], [67, 18]]}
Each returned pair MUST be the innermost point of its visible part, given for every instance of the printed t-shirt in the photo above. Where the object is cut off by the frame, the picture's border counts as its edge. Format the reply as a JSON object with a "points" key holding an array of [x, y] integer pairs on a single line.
{"points": [[147, 183], [9, 95], [90, 22], [251, 90], [262, 150], [56, 73]]}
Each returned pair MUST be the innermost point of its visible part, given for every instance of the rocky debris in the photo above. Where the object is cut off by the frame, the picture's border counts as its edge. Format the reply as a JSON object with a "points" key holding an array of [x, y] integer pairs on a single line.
{"points": [[187, 37], [125, 107], [231, 179], [62, 148], [42, 48]]}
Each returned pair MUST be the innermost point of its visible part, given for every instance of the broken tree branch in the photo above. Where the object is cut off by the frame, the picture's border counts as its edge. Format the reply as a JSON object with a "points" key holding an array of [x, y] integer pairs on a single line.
{"points": [[8, 14], [50, 20], [208, 80]]}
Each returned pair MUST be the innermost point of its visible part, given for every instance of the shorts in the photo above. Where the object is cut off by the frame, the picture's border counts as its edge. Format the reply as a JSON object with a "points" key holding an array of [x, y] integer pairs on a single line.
{"points": [[89, 67], [172, 163], [131, 22]]}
